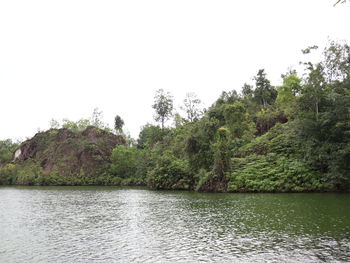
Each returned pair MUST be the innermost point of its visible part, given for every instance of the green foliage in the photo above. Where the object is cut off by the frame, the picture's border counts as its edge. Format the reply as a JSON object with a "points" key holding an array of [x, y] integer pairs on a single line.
{"points": [[150, 135], [336, 61], [274, 173], [7, 148], [287, 93], [282, 139], [163, 105], [118, 124], [124, 160], [312, 99], [76, 126], [221, 153], [95, 120], [8, 174], [247, 91], [239, 121], [267, 117], [264, 93], [198, 147], [227, 98], [169, 173], [28, 174]]}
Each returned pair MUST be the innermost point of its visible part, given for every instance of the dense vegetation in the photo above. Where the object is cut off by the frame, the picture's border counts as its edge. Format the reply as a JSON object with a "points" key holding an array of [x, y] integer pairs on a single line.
{"points": [[294, 137]]}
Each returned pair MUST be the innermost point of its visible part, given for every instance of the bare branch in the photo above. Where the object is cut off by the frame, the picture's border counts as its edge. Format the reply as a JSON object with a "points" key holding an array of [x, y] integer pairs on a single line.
{"points": [[340, 1]]}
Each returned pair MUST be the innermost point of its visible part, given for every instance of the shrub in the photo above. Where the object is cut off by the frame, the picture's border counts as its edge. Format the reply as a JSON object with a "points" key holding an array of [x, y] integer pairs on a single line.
{"points": [[124, 160], [169, 173], [272, 173]]}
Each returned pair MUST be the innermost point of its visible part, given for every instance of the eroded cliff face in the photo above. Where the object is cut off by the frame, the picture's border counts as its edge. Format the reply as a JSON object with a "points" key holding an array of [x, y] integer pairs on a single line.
{"points": [[68, 153]]}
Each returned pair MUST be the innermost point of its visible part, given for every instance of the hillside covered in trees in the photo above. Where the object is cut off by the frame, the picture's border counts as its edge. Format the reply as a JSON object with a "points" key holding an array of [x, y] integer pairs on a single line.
{"points": [[290, 138]]}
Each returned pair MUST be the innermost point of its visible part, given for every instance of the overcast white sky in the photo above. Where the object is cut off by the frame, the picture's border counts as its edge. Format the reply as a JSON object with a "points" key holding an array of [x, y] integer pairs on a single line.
{"points": [[61, 59]]}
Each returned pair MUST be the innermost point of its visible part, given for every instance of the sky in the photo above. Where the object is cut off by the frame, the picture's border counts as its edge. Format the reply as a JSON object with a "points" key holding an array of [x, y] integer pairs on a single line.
{"points": [[61, 59]]}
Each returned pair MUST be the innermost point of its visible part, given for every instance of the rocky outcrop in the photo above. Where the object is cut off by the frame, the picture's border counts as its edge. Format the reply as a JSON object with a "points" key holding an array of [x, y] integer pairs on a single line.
{"points": [[69, 153]]}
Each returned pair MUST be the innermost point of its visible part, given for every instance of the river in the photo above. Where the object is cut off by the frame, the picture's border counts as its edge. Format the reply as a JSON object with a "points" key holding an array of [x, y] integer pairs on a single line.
{"points": [[111, 224]]}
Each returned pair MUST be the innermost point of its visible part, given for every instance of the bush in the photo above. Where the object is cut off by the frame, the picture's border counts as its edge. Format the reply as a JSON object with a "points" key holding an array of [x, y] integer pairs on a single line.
{"points": [[169, 173], [7, 147], [124, 160], [274, 173], [8, 174]]}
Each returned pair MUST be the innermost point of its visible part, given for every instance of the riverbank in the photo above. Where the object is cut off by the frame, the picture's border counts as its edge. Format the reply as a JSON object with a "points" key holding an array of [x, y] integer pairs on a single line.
{"points": [[145, 187]]}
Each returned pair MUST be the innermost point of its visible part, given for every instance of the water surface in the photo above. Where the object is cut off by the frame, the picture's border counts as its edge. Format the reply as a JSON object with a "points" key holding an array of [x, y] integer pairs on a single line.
{"points": [[110, 224]]}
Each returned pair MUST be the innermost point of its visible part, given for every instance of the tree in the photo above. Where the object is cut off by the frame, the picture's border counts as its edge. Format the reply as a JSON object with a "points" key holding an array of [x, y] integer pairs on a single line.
{"points": [[247, 91], [149, 136], [7, 147], [314, 91], [336, 61], [76, 126], [221, 154], [118, 124], [238, 121], [227, 98], [124, 161], [96, 119], [191, 107], [54, 124], [178, 120], [287, 93], [163, 105], [264, 93]]}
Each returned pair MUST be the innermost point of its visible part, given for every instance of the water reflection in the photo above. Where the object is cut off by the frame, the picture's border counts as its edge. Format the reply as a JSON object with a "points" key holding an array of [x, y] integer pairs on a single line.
{"points": [[97, 224]]}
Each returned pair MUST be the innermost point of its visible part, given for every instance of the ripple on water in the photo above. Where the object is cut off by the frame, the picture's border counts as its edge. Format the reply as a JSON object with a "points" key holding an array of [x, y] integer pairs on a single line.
{"points": [[77, 224]]}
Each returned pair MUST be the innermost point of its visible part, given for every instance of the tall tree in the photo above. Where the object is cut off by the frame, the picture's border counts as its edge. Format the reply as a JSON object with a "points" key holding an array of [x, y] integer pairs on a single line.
{"points": [[247, 91], [336, 61], [96, 119], [163, 105], [191, 107], [264, 93], [287, 93], [118, 124], [149, 136], [227, 98], [315, 90], [238, 121]]}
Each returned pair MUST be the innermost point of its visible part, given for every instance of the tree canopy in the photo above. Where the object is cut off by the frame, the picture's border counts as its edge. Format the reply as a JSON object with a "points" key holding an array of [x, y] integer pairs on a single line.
{"points": [[118, 124], [163, 106]]}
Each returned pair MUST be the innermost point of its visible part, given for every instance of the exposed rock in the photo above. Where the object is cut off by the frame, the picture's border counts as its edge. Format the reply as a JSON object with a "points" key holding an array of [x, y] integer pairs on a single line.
{"points": [[18, 153], [67, 153]]}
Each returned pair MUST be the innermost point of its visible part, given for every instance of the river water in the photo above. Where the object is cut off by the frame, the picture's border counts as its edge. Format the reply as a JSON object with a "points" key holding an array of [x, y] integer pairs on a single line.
{"points": [[110, 224]]}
